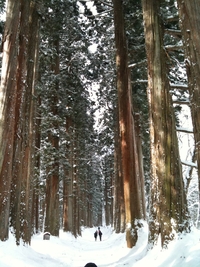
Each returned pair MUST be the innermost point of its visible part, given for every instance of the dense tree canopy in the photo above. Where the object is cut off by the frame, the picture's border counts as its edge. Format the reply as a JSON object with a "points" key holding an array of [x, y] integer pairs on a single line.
{"points": [[92, 103]]}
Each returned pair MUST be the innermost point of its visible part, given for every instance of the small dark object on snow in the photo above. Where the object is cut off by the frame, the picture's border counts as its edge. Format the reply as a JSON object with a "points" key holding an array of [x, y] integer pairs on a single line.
{"points": [[90, 264], [46, 236]]}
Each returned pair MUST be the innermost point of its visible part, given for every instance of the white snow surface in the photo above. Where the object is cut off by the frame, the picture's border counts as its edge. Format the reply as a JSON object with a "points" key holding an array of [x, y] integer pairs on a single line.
{"points": [[65, 251]]}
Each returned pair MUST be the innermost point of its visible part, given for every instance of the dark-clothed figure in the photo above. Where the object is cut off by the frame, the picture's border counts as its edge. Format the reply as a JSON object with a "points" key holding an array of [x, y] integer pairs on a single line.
{"points": [[90, 264], [95, 235], [99, 233]]}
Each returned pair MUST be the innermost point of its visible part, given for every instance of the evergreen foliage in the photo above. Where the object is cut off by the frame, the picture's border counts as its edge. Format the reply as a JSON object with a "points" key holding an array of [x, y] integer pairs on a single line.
{"points": [[77, 173]]}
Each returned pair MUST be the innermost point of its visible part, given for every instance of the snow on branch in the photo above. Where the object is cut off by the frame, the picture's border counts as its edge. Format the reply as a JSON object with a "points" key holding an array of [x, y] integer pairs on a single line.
{"points": [[139, 81], [190, 164], [172, 18], [174, 47], [179, 86], [184, 130], [181, 102], [176, 33], [137, 64]]}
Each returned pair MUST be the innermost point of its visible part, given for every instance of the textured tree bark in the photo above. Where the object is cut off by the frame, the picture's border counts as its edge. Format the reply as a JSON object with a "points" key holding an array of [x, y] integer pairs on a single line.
{"points": [[190, 27], [130, 165], [7, 112], [119, 210], [22, 190], [29, 126], [17, 86], [168, 211]]}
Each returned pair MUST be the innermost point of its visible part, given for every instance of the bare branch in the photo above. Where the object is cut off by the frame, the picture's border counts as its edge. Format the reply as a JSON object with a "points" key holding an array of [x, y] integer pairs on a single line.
{"points": [[105, 3], [172, 18], [190, 164], [99, 14], [183, 130], [176, 33], [137, 64], [140, 81], [179, 86], [181, 102], [173, 47]]}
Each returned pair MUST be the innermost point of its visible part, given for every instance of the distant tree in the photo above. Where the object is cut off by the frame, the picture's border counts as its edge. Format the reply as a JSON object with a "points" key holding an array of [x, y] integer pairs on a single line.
{"points": [[67, 189], [52, 224]]}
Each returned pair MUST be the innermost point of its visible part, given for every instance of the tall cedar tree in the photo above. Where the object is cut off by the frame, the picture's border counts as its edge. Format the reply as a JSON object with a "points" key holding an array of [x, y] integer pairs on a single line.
{"points": [[190, 27], [8, 101], [133, 190], [17, 124], [52, 224], [52, 35], [168, 209]]}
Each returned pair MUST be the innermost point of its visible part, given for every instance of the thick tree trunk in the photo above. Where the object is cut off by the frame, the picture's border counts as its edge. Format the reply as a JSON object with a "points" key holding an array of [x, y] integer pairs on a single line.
{"points": [[119, 209], [190, 26], [130, 167], [21, 203], [7, 111], [168, 211], [19, 134], [140, 163], [29, 113], [18, 85]]}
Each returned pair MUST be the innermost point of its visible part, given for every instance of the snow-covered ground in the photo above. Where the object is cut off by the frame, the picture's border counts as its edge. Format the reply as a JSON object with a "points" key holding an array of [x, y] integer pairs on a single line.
{"points": [[66, 251]]}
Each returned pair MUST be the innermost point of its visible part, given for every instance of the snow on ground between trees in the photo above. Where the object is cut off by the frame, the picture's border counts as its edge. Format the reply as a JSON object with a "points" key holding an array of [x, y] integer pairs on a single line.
{"points": [[66, 251]]}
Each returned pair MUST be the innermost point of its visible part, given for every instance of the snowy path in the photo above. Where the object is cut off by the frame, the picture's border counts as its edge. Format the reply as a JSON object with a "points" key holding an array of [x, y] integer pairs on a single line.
{"points": [[68, 251]]}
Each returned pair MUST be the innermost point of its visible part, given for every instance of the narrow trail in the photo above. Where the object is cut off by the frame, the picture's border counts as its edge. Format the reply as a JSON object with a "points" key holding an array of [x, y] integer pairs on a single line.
{"points": [[68, 251]]}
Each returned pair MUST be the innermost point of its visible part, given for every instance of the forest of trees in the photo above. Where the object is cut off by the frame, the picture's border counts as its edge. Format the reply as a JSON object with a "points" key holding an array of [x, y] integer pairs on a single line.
{"points": [[92, 98]]}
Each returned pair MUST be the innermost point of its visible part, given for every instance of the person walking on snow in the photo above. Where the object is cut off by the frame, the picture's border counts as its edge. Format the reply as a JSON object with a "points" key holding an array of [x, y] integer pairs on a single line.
{"points": [[95, 235], [98, 232]]}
